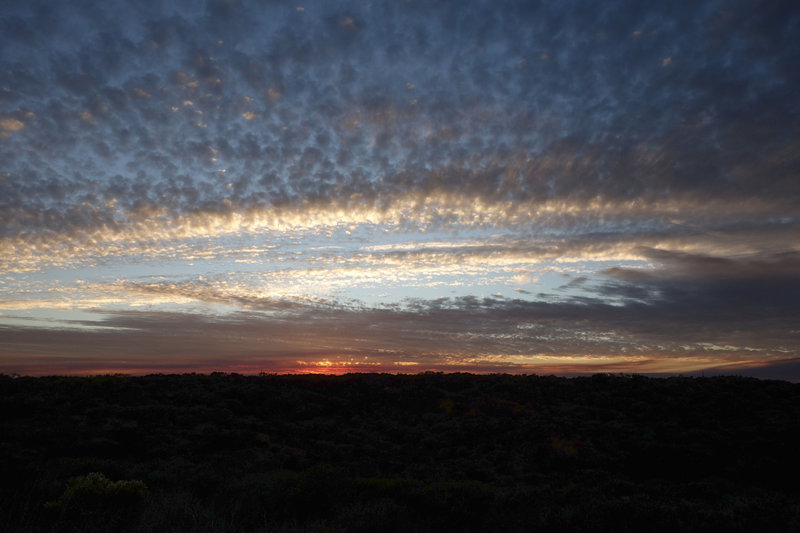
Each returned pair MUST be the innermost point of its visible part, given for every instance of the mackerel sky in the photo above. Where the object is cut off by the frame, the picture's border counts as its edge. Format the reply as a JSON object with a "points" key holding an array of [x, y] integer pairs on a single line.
{"points": [[400, 186]]}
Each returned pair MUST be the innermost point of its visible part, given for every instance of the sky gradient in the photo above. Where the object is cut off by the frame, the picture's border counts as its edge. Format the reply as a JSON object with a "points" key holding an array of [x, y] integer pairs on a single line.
{"points": [[400, 186]]}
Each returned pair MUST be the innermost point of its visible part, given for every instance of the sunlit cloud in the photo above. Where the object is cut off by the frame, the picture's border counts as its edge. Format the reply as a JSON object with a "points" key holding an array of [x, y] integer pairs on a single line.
{"points": [[11, 124], [147, 230]]}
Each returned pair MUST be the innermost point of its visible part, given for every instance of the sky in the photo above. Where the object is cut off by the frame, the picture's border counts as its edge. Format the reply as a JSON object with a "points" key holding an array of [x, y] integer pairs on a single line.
{"points": [[400, 186]]}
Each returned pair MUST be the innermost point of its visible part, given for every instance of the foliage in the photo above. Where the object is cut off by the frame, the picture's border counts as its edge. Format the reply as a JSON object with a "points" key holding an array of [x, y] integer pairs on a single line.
{"points": [[95, 503], [376, 452], [96, 490]]}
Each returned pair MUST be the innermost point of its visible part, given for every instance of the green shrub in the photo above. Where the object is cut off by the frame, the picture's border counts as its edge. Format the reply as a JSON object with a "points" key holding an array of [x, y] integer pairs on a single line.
{"points": [[96, 491]]}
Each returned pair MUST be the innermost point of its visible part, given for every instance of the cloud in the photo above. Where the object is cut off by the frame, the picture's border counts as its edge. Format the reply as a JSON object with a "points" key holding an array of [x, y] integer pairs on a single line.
{"points": [[464, 133], [648, 151], [744, 288], [106, 230], [445, 333], [11, 124]]}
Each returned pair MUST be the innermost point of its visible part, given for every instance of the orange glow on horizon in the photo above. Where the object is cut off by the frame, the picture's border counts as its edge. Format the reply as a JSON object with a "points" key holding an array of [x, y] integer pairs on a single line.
{"points": [[68, 366]]}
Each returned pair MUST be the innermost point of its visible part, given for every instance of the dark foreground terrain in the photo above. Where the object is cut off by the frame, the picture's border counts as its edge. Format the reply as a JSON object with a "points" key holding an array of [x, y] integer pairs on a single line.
{"points": [[429, 452]]}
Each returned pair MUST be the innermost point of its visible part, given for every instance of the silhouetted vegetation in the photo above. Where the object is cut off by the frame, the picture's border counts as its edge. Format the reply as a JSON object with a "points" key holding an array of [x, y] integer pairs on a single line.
{"points": [[379, 452]]}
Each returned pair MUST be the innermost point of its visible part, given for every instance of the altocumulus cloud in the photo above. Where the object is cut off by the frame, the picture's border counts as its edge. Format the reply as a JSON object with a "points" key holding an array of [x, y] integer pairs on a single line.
{"points": [[508, 185]]}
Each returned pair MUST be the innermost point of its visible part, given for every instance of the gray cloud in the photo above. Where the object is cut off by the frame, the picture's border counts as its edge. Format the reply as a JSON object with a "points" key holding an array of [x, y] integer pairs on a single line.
{"points": [[477, 332], [495, 101], [719, 288]]}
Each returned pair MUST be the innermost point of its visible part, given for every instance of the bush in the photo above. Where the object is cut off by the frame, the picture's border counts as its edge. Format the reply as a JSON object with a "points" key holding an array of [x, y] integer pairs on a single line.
{"points": [[95, 503], [96, 489]]}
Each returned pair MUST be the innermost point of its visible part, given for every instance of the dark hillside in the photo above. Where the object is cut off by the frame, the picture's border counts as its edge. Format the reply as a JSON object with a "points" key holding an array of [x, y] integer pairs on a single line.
{"points": [[379, 452]]}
